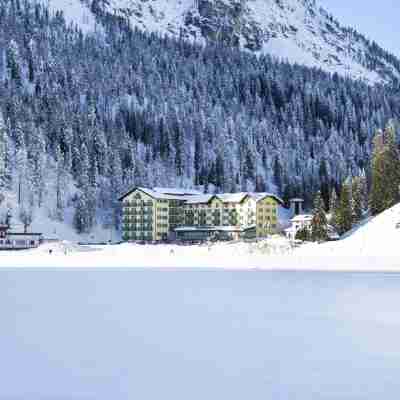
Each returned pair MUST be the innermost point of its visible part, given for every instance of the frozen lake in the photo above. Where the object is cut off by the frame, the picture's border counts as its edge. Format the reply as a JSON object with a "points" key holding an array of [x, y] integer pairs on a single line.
{"points": [[198, 335]]}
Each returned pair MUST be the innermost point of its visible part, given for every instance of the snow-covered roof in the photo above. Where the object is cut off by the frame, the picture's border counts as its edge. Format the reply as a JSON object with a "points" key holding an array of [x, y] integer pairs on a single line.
{"points": [[200, 199], [195, 197], [302, 218], [262, 195], [177, 191], [160, 194], [224, 197], [23, 234], [232, 197]]}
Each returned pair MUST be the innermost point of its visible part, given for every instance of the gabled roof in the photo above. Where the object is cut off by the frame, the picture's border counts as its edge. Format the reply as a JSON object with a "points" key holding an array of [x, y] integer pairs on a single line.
{"points": [[177, 191], [200, 199], [302, 218], [224, 197], [232, 197], [155, 194], [161, 196], [262, 195], [193, 196]]}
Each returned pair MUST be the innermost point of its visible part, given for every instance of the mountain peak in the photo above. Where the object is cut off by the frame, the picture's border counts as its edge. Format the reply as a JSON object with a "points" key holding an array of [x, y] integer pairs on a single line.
{"points": [[298, 31]]}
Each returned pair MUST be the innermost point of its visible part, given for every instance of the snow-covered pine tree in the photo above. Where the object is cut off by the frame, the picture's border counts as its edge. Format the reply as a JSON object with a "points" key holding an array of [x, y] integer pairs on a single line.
{"points": [[3, 151], [344, 212], [376, 202], [13, 63], [60, 184], [333, 207], [357, 199], [385, 172], [392, 163], [363, 190], [80, 220], [319, 223], [37, 166], [22, 174]]}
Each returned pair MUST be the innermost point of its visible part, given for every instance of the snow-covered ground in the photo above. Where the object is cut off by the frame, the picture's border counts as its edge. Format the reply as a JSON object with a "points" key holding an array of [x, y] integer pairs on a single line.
{"points": [[373, 247], [379, 237], [196, 335], [45, 222]]}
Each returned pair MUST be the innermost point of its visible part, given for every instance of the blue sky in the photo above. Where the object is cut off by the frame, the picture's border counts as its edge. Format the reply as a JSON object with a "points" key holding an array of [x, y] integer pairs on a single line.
{"points": [[379, 19]]}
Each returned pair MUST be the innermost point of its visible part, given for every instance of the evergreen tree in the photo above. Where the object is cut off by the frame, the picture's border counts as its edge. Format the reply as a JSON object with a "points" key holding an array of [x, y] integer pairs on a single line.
{"points": [[319, 223], [60, 185], [80, 219], [3, 152], [344, 213], [378, 181], [333, 201], [198, 159], [385, 172], [303, 234], [392, 164], [22, 178], [333, 207], [278, 174], [13, 63], [357, 199]]}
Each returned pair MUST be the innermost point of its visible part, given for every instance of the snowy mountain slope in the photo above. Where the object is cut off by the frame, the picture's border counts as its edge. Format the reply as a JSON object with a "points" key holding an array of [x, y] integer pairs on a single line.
{"points": [[296, 30], [378, 237], [75, 12]]}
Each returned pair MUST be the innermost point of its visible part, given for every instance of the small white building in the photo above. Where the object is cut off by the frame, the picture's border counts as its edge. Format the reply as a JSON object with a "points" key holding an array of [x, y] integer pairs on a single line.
{"points": [[18, 240], [298, 222], [304, 221]]}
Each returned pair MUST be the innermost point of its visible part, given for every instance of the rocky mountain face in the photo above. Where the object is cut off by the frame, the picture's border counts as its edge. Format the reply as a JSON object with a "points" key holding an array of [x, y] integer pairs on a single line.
{"points": [[227, 22], [295, 30]]}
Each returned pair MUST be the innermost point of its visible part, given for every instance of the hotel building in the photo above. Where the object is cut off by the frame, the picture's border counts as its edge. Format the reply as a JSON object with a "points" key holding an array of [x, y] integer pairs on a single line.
{"points": [[161, 214]]}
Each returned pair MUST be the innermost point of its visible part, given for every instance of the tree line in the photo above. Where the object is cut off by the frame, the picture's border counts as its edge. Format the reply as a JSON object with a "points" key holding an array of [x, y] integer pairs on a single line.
{"points": [[360, 197]]}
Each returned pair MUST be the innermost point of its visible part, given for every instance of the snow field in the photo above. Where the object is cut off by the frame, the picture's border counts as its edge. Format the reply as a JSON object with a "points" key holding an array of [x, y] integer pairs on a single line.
{"points": [[150, 335]]}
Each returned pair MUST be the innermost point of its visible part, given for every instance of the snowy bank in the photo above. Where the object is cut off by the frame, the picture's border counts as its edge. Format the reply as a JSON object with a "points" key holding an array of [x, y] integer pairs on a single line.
{"points": [[238, 256]]}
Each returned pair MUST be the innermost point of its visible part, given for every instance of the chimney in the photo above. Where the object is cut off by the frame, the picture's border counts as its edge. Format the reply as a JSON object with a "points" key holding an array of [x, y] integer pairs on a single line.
{"points": [[296, 206]]}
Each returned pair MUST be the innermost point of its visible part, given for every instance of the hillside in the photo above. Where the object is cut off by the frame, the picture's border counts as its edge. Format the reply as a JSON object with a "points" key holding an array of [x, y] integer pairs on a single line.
{"points": [[85, 117], [295, 30], [378, 237]]}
